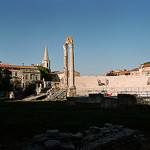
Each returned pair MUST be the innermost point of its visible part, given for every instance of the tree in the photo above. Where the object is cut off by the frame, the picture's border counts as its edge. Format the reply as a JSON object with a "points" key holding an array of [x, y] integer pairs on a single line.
{"points": [[5, 76], [29, 89], [45, 73], [0, 77], [16, 84], [146, 63]]}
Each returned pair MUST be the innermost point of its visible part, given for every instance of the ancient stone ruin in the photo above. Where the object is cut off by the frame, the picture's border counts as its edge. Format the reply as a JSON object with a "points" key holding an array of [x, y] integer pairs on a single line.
{"points": [[71, 87], [110, 137]]}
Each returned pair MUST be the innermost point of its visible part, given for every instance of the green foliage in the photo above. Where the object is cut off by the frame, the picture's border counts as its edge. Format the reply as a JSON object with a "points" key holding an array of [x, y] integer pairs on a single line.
{"points": [[30, 89], [146, 63], [16, 84], [45, 73], [5, 76]]}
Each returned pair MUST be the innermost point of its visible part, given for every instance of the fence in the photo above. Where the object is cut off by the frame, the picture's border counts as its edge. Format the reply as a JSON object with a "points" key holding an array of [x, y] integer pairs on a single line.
{"points": [[137, 93]]}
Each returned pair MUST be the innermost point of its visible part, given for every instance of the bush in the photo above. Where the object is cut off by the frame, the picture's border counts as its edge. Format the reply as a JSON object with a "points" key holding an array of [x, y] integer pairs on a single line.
{"points": [[5, 76], [30, 89]]}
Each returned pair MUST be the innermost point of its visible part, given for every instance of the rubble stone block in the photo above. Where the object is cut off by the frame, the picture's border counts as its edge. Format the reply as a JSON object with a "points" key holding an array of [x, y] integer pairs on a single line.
{"points": [[52, 144], [53, 133], [40, 138], [96, 98]]}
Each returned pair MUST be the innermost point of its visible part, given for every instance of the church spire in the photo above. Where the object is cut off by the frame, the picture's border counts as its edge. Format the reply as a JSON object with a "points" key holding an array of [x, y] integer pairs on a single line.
{"points": [[46, 61], [46, 53]]}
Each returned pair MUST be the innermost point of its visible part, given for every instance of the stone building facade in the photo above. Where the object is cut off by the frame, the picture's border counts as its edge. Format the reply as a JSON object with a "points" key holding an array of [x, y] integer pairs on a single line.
{"points": [[144, 69], [25, 74], [135, 72]]}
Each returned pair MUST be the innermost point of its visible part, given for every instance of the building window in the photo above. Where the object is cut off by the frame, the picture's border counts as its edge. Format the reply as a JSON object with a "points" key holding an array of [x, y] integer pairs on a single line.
{"points": [[47, 64], [31, 76], [26, 77], [16, 74], [36, 77]]}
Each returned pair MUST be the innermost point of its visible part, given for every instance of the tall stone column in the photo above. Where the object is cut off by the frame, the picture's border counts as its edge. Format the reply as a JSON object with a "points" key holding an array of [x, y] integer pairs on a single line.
{"points": [[65, 47], [72, 88]]}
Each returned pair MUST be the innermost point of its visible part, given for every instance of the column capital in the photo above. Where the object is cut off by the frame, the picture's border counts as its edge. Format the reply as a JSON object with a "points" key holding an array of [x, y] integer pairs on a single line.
{"points": [[65, 46], [70, 44]]}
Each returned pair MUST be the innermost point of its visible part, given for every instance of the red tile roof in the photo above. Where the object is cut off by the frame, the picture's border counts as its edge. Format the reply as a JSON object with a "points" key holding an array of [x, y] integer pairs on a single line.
{"points": [[51, 73], [135, 69], [58, 72], [17, 66], [147, 65], [125, 72]]}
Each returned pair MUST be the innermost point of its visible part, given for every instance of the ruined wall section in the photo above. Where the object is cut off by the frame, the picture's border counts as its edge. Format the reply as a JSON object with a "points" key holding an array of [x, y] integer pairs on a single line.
{"points": [[113, 84]]}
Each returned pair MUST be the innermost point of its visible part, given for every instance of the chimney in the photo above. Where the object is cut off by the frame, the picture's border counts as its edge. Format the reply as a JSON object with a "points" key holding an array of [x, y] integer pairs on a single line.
{"points": [[22, 64], [32, 65], [0, 62]]}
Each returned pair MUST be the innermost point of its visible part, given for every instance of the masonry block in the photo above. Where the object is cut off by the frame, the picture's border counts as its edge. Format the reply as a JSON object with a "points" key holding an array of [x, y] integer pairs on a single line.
{"points": [[96, 98]]}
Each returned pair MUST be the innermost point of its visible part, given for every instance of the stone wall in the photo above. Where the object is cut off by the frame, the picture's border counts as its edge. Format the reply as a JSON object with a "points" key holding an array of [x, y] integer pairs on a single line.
{"points": [[113, 84], [112, 102]]}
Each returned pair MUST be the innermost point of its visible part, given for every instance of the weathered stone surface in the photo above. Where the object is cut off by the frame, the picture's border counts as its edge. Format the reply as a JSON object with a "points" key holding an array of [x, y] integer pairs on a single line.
{"points": [[65, 135], [90, 138], [94, 129], [68, 39], [67, 146], [141, 137], [52, 144], [40, 138], [53, 133], [116, 83], [108, 125], [78, 135], [108, 137], [34, 147], [72, 88]]}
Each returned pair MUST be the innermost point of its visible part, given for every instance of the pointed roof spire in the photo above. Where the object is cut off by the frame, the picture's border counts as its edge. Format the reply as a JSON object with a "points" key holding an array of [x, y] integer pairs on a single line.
{"points": [[46, 53]]}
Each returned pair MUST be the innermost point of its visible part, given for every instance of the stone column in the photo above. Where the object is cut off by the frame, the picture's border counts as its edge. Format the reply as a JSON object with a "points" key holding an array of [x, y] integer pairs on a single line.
{"points": [[72, 88], [65, 47]]}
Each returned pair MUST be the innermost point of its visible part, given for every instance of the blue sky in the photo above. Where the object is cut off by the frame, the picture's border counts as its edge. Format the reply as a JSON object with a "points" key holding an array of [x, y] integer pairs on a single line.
{"points": [[108, 34]]}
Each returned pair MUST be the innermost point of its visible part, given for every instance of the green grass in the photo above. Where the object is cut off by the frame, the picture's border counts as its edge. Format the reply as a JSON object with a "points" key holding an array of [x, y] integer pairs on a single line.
{"points": [[19, 121]]}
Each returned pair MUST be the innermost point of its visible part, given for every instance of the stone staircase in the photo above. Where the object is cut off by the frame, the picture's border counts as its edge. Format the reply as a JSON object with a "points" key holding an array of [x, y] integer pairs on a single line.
{"points": [[36, 97], [49, 94], [57, 94]]}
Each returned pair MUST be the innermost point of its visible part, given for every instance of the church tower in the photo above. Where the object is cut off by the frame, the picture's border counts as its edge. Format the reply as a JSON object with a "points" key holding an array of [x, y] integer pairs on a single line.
{"points": [[46, 61]]}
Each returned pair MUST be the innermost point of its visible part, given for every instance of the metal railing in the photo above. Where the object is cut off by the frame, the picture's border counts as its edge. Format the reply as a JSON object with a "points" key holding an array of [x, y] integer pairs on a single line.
{"points": [[137, 93]]}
